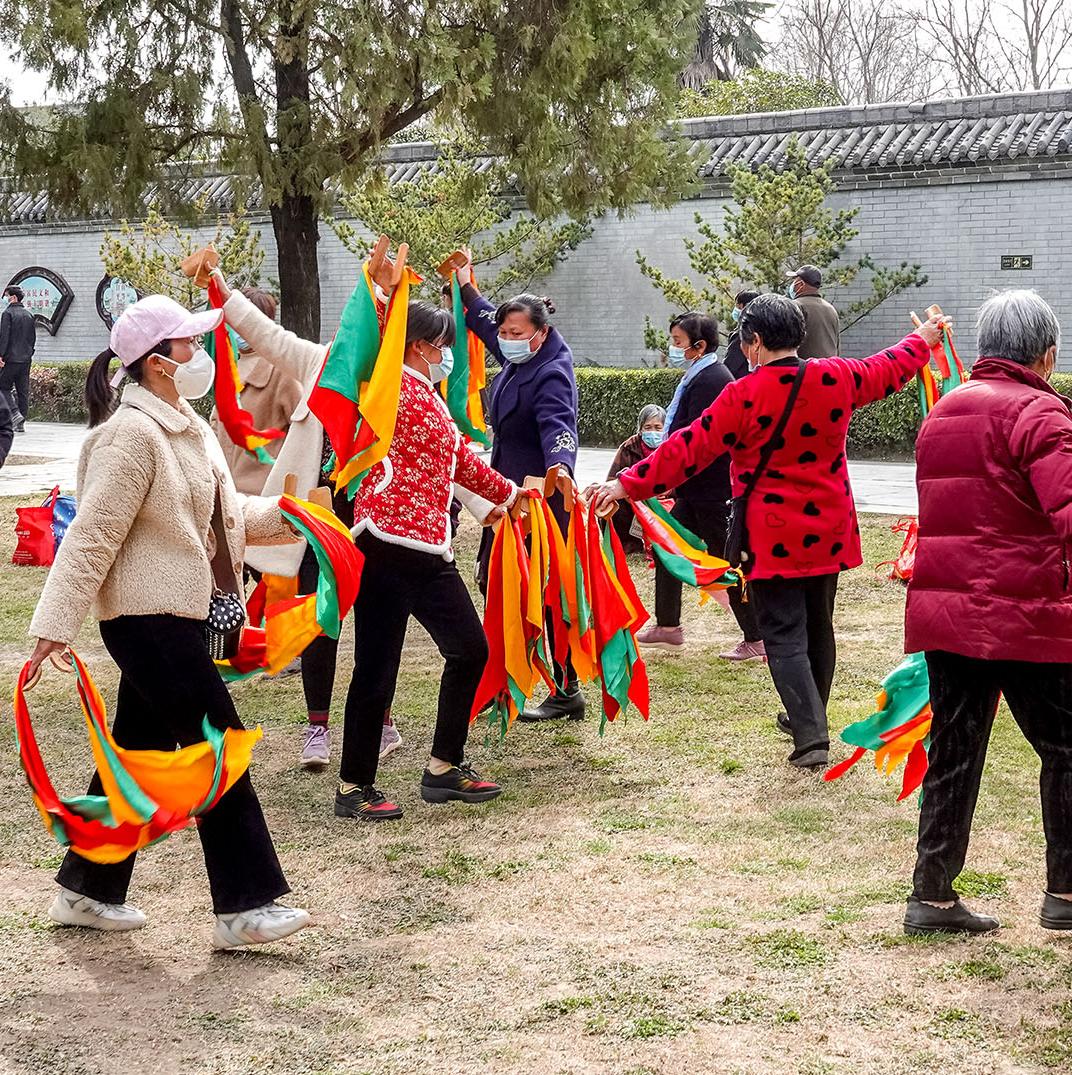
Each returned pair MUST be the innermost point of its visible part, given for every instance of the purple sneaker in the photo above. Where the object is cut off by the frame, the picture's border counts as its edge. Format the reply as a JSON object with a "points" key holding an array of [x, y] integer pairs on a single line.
{"points": [[390, 740], [316, 746], [654, 637], [746, 651]]}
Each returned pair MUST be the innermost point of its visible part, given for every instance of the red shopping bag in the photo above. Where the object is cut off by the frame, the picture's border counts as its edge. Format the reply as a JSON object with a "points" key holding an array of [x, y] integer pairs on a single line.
{"points": [[33, 527], [901, 568]]}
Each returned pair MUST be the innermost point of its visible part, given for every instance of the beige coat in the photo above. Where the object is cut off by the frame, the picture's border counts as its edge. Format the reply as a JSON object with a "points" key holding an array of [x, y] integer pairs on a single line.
{"points": [[141, 541], [270, 397], [303, 448]]}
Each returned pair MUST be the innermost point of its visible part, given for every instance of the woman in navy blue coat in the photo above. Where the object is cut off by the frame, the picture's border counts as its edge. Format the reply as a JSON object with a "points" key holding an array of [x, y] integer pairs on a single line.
{"points": [[534, 416]]}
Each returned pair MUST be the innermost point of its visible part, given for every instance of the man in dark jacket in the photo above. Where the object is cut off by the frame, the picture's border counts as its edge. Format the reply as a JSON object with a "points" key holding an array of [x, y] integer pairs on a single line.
{"points": [[990, 602], [18, 338], [7, 426], [822, 332], [735, 361], [700, 502]]}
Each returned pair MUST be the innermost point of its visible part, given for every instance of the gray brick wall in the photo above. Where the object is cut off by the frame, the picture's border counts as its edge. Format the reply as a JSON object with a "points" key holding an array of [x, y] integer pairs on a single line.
{"points": [[957, 228]]}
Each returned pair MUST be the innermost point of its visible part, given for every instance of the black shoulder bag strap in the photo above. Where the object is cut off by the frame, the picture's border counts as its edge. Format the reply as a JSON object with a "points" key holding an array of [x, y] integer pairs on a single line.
{"points": [[779, 429], [737, 551]]}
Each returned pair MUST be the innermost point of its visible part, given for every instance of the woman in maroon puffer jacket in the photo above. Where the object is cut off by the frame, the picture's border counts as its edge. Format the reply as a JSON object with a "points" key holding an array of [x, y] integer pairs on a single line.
{"points": [[990, 603], [801, 517]]}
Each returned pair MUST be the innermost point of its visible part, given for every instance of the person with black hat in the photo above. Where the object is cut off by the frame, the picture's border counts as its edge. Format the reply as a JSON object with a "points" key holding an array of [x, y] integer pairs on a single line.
{"points": [[823, 331]]}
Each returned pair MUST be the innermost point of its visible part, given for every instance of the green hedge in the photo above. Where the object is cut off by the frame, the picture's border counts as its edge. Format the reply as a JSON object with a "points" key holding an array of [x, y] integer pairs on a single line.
{"points": [[610, 400]]}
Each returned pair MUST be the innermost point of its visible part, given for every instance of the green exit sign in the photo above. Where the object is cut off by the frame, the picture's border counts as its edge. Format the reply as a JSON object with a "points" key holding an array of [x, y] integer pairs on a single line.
{"points": [[1016, 261]]}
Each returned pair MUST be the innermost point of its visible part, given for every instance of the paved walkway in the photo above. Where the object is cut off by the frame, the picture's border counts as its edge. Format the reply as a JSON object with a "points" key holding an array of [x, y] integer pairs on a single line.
{"points": [[50, 451]]}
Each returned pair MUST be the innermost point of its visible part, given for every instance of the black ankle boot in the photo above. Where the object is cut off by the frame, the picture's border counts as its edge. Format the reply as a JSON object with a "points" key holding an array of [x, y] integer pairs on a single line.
{"points": [[1056, 913], [921, 917], [567, 704]]}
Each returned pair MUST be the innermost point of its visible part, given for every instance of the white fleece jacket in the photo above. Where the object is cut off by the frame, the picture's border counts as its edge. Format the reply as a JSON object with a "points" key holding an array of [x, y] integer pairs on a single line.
{"points": [[141, 540]]}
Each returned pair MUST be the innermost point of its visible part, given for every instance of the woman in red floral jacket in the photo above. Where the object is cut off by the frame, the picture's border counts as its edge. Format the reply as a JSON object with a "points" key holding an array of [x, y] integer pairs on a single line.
{"points": [[801, 518], [402, 525]]}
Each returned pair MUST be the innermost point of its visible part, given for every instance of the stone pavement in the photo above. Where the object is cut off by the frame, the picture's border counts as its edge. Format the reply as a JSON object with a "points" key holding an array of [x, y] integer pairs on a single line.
{"points": [[50, 451]]}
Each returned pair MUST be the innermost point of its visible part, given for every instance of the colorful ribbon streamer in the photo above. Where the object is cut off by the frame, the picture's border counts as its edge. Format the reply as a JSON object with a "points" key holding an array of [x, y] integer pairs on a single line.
{"points": [[899, 731], [282, 622], [356, 395], [228, 388], [463, 386], [148, 794], [581, 585], [683, 554]]}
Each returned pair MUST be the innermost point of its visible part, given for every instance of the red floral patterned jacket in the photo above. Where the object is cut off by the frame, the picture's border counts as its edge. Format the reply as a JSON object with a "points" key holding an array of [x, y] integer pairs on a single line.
{"points": [[801, 516], [405, 499]]}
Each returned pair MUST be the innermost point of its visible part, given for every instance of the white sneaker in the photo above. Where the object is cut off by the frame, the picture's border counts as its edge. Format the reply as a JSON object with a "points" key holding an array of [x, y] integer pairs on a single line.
{"points": [[72, 909], [272, 922], [390, 740]]}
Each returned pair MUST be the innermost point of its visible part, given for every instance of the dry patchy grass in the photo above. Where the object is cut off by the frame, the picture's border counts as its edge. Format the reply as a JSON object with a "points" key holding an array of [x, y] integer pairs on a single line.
{"points": [[667, 899]]}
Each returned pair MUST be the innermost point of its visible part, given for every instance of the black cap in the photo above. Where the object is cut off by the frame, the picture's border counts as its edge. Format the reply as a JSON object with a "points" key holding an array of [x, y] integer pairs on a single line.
{"points": [[810, 274]]}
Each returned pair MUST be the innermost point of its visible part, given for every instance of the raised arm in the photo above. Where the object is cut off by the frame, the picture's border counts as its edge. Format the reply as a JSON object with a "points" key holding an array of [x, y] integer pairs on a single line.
{"points": [[890, 370], [480, 319], [298, 358]]}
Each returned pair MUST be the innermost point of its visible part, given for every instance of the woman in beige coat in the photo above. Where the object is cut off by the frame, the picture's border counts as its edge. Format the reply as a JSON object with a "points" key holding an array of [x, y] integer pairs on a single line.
{"points": [[153, 491]]}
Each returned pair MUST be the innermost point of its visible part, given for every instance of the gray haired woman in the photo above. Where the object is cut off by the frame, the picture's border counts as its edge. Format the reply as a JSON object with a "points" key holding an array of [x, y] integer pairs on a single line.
{"points": [[990, 602], [649, 435]]}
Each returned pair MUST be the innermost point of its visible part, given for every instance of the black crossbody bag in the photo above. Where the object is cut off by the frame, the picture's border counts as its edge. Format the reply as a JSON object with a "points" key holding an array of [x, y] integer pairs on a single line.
{"points": [[226, 613], [738, 550]]}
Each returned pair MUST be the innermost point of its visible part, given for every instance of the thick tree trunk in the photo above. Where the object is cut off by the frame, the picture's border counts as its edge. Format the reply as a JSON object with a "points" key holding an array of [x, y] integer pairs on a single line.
{"points": [[294, 222]]}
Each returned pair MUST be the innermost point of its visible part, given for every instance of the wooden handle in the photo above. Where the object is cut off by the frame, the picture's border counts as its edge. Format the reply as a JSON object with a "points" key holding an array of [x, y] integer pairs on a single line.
{"points": [[320, 496], [290, 485], [456, 261], [199, 265]]}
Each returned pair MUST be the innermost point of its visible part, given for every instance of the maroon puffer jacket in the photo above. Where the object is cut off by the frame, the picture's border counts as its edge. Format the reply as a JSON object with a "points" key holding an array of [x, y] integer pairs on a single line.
{"points": [[994, 473]]}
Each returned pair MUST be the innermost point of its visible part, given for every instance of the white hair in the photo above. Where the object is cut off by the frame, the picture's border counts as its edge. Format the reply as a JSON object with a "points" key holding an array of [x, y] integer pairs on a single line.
{"points": [[648, 412], [1018, 325]]}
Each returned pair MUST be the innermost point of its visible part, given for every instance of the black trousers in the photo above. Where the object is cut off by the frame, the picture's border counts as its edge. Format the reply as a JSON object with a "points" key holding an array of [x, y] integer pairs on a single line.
{"points": [[15, 380], [319, 658], [708, 521], [964, 700], [168, 685], [398, 583], [796, 620]]}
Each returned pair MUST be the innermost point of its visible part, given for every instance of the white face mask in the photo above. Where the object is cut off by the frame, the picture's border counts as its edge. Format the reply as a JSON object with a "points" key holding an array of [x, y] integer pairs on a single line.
{"points": [[193, 379]]}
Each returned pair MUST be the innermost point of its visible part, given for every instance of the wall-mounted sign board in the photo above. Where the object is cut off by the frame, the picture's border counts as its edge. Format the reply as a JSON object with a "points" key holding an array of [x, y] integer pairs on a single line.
{"points": [[46, 295], [113, 297], [1017, 261]]}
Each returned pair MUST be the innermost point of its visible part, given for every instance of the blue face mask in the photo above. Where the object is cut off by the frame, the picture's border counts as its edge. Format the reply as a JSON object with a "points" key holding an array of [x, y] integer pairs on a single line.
{"points": [[676, 357], [791, 289], [652, 437], [735, 313], [241, 344], [441, 370], [516, 351]]}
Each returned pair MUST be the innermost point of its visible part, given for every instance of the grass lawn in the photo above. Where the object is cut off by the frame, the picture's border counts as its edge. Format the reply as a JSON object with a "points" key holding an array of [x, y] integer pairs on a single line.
{"points": [[668, 899]]}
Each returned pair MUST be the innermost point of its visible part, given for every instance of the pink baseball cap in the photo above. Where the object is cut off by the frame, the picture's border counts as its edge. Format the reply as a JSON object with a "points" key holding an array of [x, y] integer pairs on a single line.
{"points": [[150, 321]]}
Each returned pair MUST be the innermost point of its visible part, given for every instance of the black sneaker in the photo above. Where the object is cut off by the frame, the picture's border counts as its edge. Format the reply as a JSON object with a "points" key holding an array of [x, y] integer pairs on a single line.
{"points": [[459, 782], [1056, 913], [568, 705], [782, 720], [367, 803], [921, 918]]}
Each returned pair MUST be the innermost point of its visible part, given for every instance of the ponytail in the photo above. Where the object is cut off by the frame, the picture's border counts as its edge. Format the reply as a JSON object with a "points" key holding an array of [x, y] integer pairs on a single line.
{"points": [[100, 396]]}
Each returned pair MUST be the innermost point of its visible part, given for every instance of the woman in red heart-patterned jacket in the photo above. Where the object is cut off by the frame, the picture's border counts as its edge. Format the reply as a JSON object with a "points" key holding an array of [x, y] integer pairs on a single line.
{"points": [[402, 525], [800, 517]]}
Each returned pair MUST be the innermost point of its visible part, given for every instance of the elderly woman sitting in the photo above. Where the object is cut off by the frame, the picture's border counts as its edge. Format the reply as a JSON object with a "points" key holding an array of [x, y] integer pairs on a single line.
{"points": [[648, 436], [990, 603]]}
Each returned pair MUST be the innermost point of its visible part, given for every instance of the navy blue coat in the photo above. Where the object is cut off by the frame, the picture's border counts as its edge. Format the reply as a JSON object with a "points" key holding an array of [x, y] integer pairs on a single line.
{"points": [[712, 484], [533, 404]]}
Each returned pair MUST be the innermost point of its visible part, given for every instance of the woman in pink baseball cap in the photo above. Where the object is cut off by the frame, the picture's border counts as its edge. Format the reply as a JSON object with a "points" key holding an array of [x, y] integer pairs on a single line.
{"points": [[159, 535]]}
